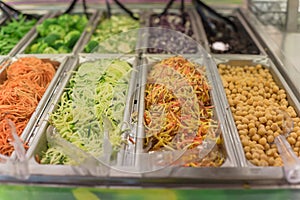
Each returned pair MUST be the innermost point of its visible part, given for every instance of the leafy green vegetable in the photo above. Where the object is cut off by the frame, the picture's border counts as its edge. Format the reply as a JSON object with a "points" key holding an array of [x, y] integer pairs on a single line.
{"points": [[49, 50], [58, 43], [92, 45], [58, 35], [71, 38], [51, 39], [12, 32], [38, 47]]}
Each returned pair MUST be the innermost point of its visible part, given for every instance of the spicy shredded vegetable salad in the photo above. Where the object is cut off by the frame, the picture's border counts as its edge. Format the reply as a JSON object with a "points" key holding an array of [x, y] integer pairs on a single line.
{"points": [[98, 88], [27, 80], [178, 108]]}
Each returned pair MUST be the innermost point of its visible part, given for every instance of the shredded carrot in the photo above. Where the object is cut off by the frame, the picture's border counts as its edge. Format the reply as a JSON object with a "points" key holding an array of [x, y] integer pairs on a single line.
{"points": [[27, 80]]}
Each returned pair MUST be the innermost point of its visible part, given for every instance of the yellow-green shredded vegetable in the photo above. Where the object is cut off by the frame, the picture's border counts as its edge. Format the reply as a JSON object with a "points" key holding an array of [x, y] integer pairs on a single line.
{"points": [[98, 88]]}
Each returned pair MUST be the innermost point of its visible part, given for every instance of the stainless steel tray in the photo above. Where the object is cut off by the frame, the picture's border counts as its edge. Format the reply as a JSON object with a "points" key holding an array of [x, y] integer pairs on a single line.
{"points": [[34, 33], [33, 121], [226, 12], [102, 14], [38, 143], [230, 159], [247, 60]]}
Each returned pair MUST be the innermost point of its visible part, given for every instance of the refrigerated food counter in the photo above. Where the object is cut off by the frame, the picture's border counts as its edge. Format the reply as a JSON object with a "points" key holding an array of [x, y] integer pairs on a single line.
{"points": [[249, 93]]}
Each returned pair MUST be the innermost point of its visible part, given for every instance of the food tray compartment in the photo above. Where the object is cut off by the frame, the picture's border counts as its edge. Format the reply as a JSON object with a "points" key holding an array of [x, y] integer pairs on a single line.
{"points": [[26, 36], [229, 42], [39, 142], [117, 41], [59, 62], [53, 36], [159, 41], [225, 146], [279, 87]]}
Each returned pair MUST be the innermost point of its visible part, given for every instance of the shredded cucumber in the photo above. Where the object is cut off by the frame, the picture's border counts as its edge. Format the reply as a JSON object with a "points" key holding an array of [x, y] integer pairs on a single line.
{"points": [[96, 89]]}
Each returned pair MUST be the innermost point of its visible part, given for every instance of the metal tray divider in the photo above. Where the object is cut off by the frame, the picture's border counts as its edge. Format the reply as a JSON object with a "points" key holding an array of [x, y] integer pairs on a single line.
{"points": [[35, 138], [200, 32], [250, 32], [87, 32], [91, 27], [140, 135], [219, 107], [143, 34], [129, 109]]}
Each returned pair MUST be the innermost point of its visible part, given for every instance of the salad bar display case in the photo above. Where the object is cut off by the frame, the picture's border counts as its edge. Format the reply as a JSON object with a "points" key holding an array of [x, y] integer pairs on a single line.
{"points": [[146, 97]]}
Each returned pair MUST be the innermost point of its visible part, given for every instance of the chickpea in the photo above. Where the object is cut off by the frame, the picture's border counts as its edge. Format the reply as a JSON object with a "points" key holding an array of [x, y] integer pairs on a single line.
{"points": [[291, 140], [248, 155], [293, 134], [256, 137], [270, 152], [259, 151], [271, 161], [281, 91], [243, 132], [274, 127], [261, 131], [263, 163], [254, 161], [269, 132], [270, 138], [266, 102], [251, 125], [276, 134], [240, 127], [262, 141], [252, 131], [239, 123], [298, 132], [269, 116], [279, 117], [255, 103], [274, 96], [275, 89], [245, 142], [247, 148], [267, 146], [263, 119]]}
